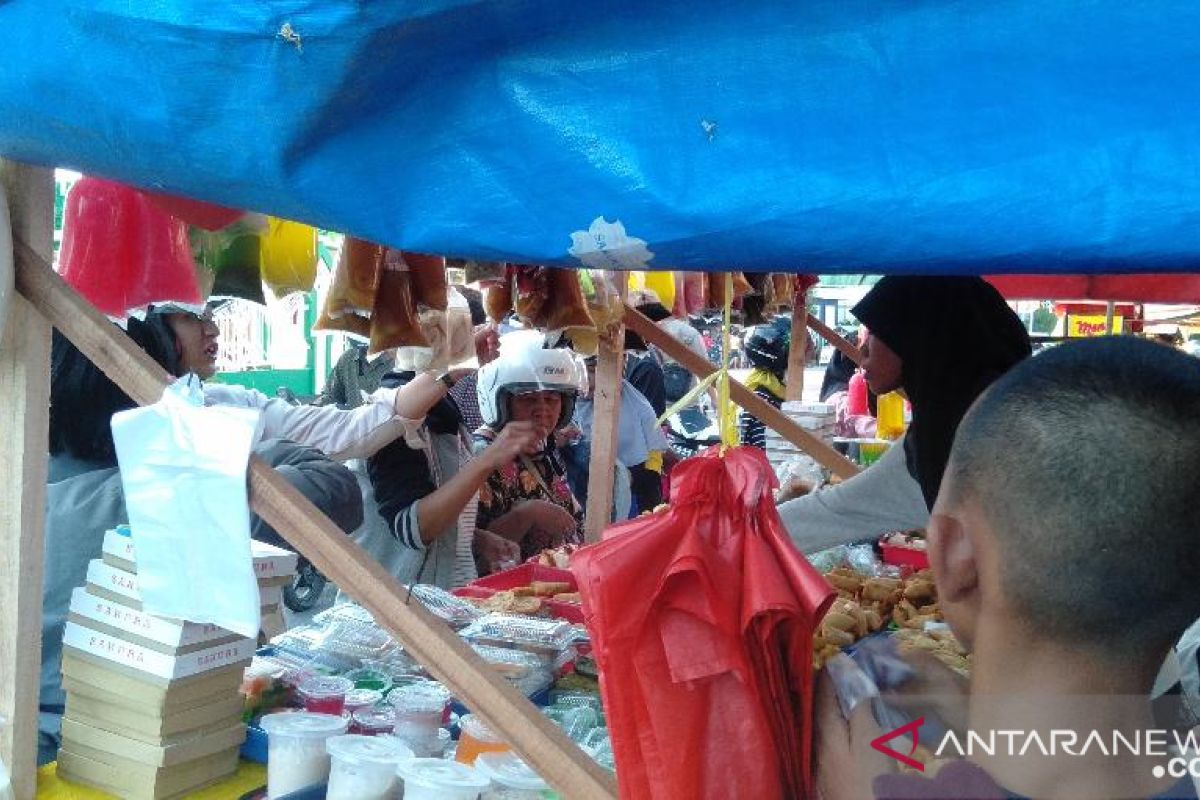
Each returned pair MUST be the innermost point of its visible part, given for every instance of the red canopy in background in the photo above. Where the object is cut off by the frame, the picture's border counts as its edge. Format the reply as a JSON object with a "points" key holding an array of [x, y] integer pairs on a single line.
{"points": [[1149, 288]]}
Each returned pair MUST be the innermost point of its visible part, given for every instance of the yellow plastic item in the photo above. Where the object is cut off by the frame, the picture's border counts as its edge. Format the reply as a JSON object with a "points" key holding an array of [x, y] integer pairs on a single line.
{"points": [[891, 416], [661, 283], [289, 257]]}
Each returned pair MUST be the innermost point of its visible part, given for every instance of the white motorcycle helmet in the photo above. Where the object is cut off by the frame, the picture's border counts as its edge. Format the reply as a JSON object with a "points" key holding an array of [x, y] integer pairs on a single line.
{"points": [[525, 366]]}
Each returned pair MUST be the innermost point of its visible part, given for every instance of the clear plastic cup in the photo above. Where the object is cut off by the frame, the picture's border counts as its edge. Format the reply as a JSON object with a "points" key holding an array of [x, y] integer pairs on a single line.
{"points": [[357, 699], [512, 778], [325, 695], [296, 754], [425, 744], [370, 678], [375, 721], [475, 738], [420, 707], [364, 767], [437, 779]]}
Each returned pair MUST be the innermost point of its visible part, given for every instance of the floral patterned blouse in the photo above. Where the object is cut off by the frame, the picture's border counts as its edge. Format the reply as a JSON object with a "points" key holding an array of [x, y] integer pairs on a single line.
{"points": [[508, 486]]}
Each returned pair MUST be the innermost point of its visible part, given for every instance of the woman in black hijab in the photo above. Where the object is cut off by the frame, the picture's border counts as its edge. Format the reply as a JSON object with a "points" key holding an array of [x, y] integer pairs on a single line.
{"points": [[943, 340]]}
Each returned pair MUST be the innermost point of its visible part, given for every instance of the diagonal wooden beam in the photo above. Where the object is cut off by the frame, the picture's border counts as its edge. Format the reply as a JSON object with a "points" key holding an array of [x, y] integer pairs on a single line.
{"points": [[835, 339], [774, 419], [543, 745]]}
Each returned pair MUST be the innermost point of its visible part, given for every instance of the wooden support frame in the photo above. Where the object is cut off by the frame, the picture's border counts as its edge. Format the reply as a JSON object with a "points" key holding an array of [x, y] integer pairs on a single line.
{"points": [[835, 339], [798, 353], [772, 417], [24, 409], [544, 746], [606, 425]]}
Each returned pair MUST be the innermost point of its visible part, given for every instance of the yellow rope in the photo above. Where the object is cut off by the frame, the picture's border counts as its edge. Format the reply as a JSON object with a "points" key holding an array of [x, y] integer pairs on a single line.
{"points": [[725, 407]]}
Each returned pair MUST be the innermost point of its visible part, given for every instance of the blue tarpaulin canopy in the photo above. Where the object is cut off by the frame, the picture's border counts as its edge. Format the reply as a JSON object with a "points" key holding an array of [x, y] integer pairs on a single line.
{"points": [[819, 136]]}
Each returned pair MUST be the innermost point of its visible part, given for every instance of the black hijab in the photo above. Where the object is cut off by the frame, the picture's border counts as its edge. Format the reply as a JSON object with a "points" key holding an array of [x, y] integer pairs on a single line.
{"points": [[955, 335]]}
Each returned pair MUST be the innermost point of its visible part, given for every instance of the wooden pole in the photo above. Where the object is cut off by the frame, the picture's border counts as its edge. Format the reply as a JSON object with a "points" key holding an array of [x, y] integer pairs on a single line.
{"points": [[798, 352], [543, 745], [772, 417], [1109, 314], [606, 423], [835, 339], [24, 407]]}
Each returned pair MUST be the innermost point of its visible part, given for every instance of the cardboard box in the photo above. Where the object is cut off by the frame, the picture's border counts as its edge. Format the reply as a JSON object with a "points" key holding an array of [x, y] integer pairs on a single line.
{"points": [[142, 628], [91, 676], [152, 662], [103, 745], [270, 562], [150, 724], [118, 585], [132, 781]]}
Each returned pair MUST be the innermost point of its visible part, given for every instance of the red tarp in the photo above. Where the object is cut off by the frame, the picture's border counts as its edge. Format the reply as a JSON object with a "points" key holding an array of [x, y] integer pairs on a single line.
{"points": [[1149, 288]]}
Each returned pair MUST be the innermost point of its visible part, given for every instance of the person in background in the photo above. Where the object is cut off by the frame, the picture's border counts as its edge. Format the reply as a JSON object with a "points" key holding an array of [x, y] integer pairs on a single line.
{"points": [[643, 369], [640, 445], [767, 350], [1068, 592], [84, 496], [528, 499], [943, 340], [355, 376], [678, 381], [838, 372], [487, 350]]}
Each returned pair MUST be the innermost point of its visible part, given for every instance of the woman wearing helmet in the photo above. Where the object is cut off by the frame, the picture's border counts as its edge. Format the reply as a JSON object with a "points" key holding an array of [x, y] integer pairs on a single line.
{"points": [[767, 349], [528, 499]]}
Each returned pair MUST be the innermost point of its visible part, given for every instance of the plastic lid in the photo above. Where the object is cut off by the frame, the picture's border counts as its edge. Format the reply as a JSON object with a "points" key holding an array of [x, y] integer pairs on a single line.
{"points": [[325, 686], [477, 729], [375, 718], [303, 724], [426, 697], [436, 773], [359, 698], [509, 771], [371, 749]]}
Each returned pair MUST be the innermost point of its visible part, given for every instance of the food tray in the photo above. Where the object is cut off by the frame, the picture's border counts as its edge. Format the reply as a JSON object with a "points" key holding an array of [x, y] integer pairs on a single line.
{"points": [[525, 575], [544, 637], [904, 556], [571, 612], [444, 605]]}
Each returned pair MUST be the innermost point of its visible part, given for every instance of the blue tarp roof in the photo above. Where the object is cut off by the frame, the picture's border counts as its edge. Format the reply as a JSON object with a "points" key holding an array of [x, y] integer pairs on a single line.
{"points": [[822, 136]]}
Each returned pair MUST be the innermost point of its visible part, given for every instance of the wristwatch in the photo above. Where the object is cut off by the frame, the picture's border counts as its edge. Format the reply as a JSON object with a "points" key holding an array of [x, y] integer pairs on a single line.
{"points": [[447, 379]]}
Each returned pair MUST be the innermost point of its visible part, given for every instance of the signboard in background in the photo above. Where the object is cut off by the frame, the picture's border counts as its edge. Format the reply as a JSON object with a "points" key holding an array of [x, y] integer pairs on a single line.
{"points": [[1083, 325]]}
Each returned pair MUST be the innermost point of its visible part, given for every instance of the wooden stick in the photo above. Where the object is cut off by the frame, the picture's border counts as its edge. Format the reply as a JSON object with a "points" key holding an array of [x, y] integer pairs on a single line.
{"points": [[772, 417], [546, 748], [798, 352], [606, 422], [835, 339], [24, 408]]}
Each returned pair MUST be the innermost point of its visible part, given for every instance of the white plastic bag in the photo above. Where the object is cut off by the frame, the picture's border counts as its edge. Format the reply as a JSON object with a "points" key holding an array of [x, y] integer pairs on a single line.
{"points": [[183, 469]]}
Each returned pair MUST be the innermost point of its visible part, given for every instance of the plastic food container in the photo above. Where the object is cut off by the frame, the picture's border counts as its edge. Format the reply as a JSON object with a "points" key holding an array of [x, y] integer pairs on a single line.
{"points": [[512, 778], [435, 779], [364, 767], [420, 708], [475, 738], [373, 721], [297, 757], [325, 695], [543, 637], [428, 745], [452, 610], [358, 699], [368, 678]]}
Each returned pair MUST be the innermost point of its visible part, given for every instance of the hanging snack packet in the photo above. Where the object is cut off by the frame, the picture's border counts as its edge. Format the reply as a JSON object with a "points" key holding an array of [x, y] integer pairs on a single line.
{"points": [[394, 319], [498, 299], [567, 311], [428, 276], [484, 272], [530, 293]]}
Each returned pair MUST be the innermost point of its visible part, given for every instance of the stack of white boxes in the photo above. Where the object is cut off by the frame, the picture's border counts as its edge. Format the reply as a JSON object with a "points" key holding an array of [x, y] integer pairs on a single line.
{"points": [[153, 709]]}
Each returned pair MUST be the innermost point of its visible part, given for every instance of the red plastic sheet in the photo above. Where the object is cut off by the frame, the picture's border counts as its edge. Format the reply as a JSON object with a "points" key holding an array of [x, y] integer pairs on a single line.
{"points": [[702, 619], [121, 251], [1150, 288]]}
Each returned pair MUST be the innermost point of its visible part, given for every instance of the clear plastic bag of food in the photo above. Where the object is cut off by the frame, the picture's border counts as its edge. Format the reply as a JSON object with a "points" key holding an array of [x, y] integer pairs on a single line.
{"points": [[394, 318], [455, 611], [544, 637], [862, 559], [828, 560]]}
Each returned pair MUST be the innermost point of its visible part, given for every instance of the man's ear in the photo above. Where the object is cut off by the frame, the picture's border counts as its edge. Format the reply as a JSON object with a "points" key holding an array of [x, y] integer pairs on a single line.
{"points": [[954, 559]]}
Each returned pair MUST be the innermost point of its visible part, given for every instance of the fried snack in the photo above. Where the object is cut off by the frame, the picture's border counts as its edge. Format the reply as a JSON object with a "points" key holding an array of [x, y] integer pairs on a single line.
{"points": [[838, 638], [428, 277], [568, 597], [524, 591], [844, 579], [549, 588], [508, 602], [919, 591], [567, 307], [840, 621]]}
